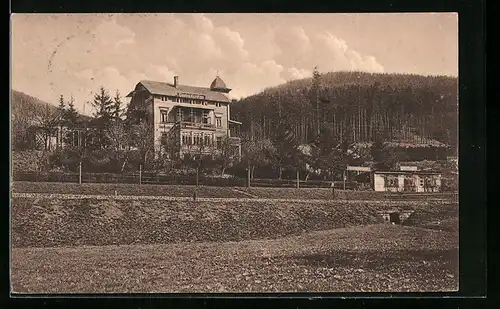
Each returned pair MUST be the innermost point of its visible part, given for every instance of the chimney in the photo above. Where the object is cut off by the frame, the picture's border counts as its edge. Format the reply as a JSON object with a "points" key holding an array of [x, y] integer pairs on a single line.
{"points": [[176, 81]]}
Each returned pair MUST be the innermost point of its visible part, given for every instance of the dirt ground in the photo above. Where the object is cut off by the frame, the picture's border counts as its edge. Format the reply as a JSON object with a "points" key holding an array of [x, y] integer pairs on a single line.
{"points": [[384, 258], [120, 246]]}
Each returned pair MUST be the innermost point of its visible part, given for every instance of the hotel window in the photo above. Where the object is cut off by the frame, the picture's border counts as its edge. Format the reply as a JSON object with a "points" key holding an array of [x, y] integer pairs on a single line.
{"points": [[197, 139], [392, 182], [408, 182], [179, 114], [421, 182], [219, 142], [206, 119], [206, 140], [218, 122], [217, 104], [164, 116]]}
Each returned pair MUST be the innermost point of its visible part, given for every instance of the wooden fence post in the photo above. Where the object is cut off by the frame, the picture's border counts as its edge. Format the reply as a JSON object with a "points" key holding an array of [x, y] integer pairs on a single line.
{"points": [[140, 174], [298, 179], [333, 186], [80, 173], [248, 176]]}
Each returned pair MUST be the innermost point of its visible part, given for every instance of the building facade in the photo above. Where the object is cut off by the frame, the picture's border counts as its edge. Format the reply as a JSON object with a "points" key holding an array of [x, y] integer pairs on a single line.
{"points": [[59, 137], [406, 181], [187, 119]]}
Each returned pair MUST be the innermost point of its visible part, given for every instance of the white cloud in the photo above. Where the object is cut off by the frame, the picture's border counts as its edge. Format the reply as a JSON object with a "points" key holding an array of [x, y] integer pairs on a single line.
{"points": [[341, 57], [294, 73], [253, 78], [86, 74], [110, 33], [202, 23], [118, 52]]}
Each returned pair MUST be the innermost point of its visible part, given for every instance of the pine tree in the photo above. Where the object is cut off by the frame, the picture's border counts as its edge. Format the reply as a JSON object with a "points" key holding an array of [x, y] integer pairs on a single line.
{"points": [[71, 120], [61, 111], [61, 121], [117, 108], [315, 90], [72, 116], [103, 105]]}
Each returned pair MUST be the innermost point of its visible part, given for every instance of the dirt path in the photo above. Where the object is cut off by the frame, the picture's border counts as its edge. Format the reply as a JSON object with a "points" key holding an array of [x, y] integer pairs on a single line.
{"points": [[202, 199], [245, 193]]}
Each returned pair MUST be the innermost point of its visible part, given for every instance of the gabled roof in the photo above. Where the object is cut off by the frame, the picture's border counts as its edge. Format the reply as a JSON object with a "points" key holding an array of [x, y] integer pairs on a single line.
{"points": [[167, 89]]}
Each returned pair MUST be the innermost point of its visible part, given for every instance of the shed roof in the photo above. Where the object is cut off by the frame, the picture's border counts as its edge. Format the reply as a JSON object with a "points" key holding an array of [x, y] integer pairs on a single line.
{"points": [[167, 89], [235, 121], [408, 172]]}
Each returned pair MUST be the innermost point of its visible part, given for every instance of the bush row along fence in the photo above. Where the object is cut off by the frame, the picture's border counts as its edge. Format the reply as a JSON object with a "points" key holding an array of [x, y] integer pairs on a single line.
{"points": [[159, 179]]}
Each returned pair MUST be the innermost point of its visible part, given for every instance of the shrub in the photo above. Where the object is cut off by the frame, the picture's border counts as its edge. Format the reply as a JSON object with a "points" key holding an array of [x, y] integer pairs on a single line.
{"points": [[449, 184]]}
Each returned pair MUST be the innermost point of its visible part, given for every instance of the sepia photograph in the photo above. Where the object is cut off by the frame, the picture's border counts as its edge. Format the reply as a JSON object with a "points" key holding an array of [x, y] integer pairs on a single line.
{"points": [[234, 153]]}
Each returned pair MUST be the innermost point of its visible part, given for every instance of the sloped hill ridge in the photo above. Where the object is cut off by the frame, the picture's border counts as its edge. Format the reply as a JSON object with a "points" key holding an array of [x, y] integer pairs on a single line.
{"points": [[22, 104], [358, 106]]}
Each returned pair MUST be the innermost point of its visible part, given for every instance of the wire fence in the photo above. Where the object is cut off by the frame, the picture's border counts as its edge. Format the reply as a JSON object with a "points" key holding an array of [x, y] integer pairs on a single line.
{"points": [[162, 179]]}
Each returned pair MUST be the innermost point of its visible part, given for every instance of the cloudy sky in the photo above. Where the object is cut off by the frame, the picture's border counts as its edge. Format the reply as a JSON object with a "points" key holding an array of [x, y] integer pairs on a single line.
{"points": [[75, 54]]}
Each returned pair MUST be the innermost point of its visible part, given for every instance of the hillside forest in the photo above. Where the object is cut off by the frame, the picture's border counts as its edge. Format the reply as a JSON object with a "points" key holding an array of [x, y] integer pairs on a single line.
{"points": [[357, 107]]}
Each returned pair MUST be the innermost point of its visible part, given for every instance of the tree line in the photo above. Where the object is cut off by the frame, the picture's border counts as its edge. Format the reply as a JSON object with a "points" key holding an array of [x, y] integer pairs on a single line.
{"points": [[358, 107]]}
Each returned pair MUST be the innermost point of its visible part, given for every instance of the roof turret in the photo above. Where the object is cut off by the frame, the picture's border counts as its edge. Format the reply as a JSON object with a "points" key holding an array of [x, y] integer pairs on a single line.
{"points": [[219, 85]]}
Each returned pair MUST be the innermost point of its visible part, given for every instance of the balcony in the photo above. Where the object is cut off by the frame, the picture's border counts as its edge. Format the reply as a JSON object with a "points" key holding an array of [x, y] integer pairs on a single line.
{"points": [[197, 149], [197, 125]]}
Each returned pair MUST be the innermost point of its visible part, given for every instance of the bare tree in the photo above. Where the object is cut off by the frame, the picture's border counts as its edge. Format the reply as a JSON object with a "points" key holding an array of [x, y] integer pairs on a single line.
{"points": [[142, 137], [225, 154], [118, 135], [257, 153], [120, 141], [46, 121]]}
